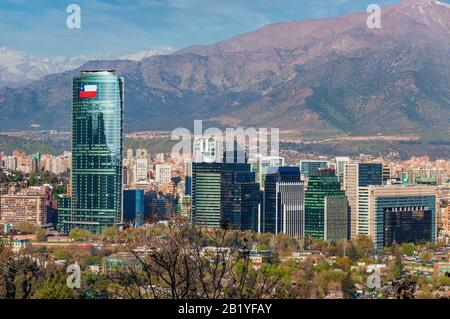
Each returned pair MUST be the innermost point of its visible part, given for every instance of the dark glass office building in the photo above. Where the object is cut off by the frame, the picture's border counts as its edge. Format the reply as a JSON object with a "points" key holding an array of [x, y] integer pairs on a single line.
{"points": [[133, 206], [64, 211], [370, 174], [398, 213], [97, 146], [241, 198], [225, 194], [275, 175], [413, 224]]}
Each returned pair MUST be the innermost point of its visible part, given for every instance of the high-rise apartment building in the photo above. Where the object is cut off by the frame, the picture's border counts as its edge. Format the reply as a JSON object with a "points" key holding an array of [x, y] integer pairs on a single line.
{"points": [[30, 208], [97, 147], [163, 174], [141, 170], [445, 218]]}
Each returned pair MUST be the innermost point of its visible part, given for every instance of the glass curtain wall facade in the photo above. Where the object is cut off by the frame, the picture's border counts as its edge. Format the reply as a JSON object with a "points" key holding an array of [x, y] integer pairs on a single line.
{"points": [[284, 174], [398, 213], [97, 146], [323, 190], [133, 206], [206, 194], [224, 194]]}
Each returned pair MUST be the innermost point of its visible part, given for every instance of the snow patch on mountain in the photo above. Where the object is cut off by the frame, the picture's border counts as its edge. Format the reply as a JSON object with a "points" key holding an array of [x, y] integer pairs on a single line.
{"points": [[18, 68]]}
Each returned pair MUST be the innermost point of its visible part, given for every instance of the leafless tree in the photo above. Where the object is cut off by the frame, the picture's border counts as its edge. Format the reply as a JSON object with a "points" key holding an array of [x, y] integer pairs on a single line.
{"points": [[188, 262]]}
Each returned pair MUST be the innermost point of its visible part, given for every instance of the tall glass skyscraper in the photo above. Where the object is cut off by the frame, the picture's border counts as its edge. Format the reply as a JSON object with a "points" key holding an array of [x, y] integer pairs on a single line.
{"points": [[279, 182], [225, 194], [97, 146], [325, 209]]}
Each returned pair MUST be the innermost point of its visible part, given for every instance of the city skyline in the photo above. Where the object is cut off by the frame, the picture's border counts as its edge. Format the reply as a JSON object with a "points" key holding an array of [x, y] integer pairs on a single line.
{"points": [[318, 167]]}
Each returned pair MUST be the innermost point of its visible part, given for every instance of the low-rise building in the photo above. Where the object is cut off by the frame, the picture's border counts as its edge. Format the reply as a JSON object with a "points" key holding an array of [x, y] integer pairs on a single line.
{"points": [[442, 268]]}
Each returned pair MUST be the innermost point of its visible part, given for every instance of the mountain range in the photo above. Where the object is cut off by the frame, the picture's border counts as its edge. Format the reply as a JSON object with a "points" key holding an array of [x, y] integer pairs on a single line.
{"points": [[318, 77], [18, 68]]}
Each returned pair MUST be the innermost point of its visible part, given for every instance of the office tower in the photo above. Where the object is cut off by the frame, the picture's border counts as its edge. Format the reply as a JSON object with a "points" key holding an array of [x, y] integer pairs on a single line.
{"points": [[163, 173], [340, 167], [133, 206], [397, 213], [290, 212], [188, 177], [224, 194], [260, 165], [275, 190], [206, 194], [308, 168], [240, 197], [326, 208], [159, 209], [236, 154], [97, 146], [359, 175], [207, 149]]}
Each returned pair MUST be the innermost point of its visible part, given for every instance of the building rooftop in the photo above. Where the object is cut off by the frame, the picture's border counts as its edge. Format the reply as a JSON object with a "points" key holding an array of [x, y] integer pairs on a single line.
{"points": [[97, 71]]}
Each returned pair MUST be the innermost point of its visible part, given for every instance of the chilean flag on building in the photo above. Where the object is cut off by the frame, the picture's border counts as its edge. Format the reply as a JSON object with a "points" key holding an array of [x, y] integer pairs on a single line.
{"points": [[88, 91]]}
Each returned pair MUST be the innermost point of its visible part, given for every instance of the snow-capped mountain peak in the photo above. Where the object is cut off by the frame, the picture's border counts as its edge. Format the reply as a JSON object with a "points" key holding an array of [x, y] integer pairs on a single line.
{"points": [[19, 68]]}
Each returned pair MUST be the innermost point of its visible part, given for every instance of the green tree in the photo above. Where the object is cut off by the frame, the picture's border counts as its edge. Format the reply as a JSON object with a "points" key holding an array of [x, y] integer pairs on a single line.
{"points": [[79, 234], [19, 276], [426, 257], [348, 286], [62, 254], [408, 249], [25, 227], [111, 233], [352, 253], [364, 246], [55, 287], [343, 263], [398, 266], [40, 234]]}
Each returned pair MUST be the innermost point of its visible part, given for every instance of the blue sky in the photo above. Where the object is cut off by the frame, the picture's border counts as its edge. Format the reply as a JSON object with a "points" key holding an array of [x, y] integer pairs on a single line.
{"points": [[38, 27]]}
